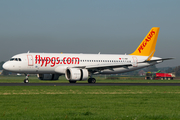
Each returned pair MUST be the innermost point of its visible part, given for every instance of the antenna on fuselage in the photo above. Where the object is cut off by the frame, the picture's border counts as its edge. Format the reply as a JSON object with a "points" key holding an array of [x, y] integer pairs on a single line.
{"points": [[28, 51]]}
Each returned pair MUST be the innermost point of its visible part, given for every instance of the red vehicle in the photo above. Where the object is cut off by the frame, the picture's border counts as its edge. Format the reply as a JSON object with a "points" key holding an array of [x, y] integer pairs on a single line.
{"points": [[164, 76], [157, 75]]}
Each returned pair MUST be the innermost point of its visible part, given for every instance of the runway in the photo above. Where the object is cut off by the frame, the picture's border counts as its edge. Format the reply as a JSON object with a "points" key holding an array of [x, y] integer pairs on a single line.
{"points": [[87, 84]]}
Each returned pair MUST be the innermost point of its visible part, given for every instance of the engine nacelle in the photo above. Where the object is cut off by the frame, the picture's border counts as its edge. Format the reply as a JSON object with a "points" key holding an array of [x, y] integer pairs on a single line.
{"points": [[76, 74], [48, 76]]}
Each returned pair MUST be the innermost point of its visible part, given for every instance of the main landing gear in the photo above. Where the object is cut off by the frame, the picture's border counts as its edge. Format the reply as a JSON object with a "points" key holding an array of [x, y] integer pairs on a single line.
{"points": [[26, 80], [91, 80], [72, 81]]}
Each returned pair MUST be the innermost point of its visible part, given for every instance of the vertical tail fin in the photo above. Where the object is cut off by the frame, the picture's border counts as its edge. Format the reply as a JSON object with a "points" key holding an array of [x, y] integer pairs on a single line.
{"points": [[147, 46]]}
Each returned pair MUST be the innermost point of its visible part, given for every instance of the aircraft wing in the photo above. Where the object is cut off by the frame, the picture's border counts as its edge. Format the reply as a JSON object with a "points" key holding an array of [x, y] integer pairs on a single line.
{"points": [[107, 66], [97, 67]]}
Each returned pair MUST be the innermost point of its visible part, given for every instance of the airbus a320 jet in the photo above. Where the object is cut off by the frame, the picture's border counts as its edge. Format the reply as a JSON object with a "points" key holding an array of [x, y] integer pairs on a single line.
{"points": [[77, 67]]}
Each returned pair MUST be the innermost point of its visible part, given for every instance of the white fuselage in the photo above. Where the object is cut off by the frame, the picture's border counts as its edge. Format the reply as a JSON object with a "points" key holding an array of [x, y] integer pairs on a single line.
{"points": [[52, 63]]}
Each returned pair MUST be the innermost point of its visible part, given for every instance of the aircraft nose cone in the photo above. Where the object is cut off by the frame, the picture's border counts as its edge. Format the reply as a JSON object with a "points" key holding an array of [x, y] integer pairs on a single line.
{"points": [[6, 66]]}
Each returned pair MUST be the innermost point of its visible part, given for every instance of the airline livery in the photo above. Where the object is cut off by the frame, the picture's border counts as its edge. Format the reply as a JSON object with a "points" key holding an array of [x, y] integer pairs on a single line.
{"points": [[77, 67]]}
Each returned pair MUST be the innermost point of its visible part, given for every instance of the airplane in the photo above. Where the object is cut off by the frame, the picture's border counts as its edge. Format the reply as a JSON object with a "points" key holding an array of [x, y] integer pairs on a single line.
{"points": [[78, 67]]}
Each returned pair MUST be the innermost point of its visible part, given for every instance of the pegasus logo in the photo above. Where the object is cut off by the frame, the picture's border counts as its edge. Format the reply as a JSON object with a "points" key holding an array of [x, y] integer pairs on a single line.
{"points": [[146, 40]]}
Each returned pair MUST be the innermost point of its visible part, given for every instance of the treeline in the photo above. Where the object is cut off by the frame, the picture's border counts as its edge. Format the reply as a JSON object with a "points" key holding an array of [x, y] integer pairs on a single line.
{"points": [[177, 70], [4, 72], [1, 63], [153, 68]]}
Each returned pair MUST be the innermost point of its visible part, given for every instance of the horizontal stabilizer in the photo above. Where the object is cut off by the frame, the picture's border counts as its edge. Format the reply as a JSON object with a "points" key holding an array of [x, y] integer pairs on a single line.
{"points": [[162, 59]]}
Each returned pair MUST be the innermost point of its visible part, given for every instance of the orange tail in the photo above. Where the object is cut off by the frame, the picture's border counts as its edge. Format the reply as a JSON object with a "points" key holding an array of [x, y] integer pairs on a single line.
{"points": [[147, 46]]}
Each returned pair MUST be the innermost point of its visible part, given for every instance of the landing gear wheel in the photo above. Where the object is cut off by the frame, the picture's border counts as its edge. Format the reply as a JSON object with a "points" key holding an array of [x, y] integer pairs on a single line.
{"points": [[91, 80], [72, 81], [26, 81]]}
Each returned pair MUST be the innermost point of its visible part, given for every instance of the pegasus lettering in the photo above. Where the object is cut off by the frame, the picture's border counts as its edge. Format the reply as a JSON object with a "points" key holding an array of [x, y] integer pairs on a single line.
{"points": [[146, 40]]}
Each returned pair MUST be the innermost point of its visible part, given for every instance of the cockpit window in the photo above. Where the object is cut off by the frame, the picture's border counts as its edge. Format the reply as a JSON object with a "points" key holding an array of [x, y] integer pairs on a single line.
{"points": [[12, 59], [19, 59], [15, 59]]}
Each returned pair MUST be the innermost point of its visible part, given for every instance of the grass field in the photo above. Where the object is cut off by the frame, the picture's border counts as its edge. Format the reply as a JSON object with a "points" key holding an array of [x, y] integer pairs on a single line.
{"points": [[89, 102]]}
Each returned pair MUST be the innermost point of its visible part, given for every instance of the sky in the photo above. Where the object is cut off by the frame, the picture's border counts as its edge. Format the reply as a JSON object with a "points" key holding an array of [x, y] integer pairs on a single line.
{"points": [[88, 26]]}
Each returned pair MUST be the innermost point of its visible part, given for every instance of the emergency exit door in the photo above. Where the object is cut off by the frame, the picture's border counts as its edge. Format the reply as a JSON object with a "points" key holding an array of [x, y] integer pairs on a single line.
{"points": [[30, 60], [135, 61]]}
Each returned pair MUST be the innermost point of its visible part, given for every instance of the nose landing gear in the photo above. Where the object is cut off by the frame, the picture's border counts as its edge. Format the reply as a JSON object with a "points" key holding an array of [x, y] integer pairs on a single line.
{"points": [[26, 80]]}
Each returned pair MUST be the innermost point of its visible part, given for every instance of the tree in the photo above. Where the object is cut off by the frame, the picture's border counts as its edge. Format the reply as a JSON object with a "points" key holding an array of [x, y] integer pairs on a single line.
{"points": [[169, 70], [177, 71], [1, 64], [5, 72], [152, 68]]}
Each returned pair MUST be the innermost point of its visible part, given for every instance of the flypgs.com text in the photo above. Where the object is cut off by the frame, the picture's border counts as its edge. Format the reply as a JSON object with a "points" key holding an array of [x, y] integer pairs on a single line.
{"points": [[55, 60]]}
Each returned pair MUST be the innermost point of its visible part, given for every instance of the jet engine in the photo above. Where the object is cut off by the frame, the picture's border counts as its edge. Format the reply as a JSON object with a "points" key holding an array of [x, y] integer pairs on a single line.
{"points": [[48, 76], [76, 74]]}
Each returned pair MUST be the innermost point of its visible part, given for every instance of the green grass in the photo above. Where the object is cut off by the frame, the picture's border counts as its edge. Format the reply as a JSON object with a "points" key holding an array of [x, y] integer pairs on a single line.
{"points": [[90, 102], [99, 79]]}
